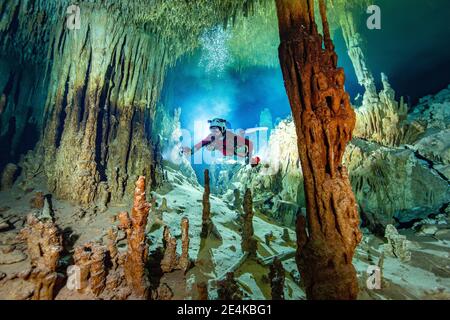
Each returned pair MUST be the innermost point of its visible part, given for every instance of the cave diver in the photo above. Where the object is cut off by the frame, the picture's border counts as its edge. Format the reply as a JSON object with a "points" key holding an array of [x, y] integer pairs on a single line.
{"points": [[225, 141]]}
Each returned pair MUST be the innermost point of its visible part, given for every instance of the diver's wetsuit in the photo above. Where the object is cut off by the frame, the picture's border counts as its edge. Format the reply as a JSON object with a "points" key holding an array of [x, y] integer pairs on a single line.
{"points": [[229, 145]]}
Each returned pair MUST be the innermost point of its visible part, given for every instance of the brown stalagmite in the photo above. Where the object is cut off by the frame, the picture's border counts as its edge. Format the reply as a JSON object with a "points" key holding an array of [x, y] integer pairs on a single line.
{"points": [[277, 277], [324, 123], [81, 257], [91, 261], [228, 289], [170, 259], [112, 247], [206, 214], [184, 259], [44, 245], [202, 289], [97, 280], [137, 252], [248, 243]]}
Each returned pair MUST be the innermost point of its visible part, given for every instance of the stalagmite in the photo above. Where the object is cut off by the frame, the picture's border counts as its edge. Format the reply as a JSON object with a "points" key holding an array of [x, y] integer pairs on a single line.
{"points": [[91, 261], [249, 243], [324, 123], [44, 245], [137, 252], [171, 261], [237, 204], [184, 259], [208, 227], [277, 276], [228, 289], [38, 201], [112, 247], [202, 289], [206, 213]]}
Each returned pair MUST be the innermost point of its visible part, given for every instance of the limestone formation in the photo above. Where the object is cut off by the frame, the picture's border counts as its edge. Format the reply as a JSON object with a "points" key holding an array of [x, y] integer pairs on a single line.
{"points": [[184, 262], [208, 227], [91, 261], [112, 247], [44, 246], [8, 176], [237, 203], [354, 43], [384, 120], [392, 183], [103, 196], [277, 276], [397, 245], [38, 201], [95, 114], [47, 212], [228, 289], [171, 261], [286, 237], [202, 289], [248, 242], [206, 213], [324, 123], [137, 252]]}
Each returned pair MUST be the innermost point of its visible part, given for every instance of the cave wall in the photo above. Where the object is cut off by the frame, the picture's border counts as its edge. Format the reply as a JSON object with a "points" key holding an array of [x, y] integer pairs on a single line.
{"points": [[22, 96], [103, 80], [98, 87]]}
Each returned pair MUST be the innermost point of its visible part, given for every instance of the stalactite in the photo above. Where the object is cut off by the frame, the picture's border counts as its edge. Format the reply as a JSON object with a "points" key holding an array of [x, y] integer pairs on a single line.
{"points": [[137, 252], [324, 123], [354, 43], [44, 246]]}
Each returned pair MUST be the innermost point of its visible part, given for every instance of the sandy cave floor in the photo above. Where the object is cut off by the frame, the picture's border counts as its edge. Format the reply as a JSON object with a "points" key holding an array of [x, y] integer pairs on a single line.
{"points": [[426, 276]]}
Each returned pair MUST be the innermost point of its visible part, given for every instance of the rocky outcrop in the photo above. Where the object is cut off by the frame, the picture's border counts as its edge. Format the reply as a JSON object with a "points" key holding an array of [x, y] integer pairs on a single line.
{"points": [[397, 245], [44, 246], [324, 121], [393, 183]]}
